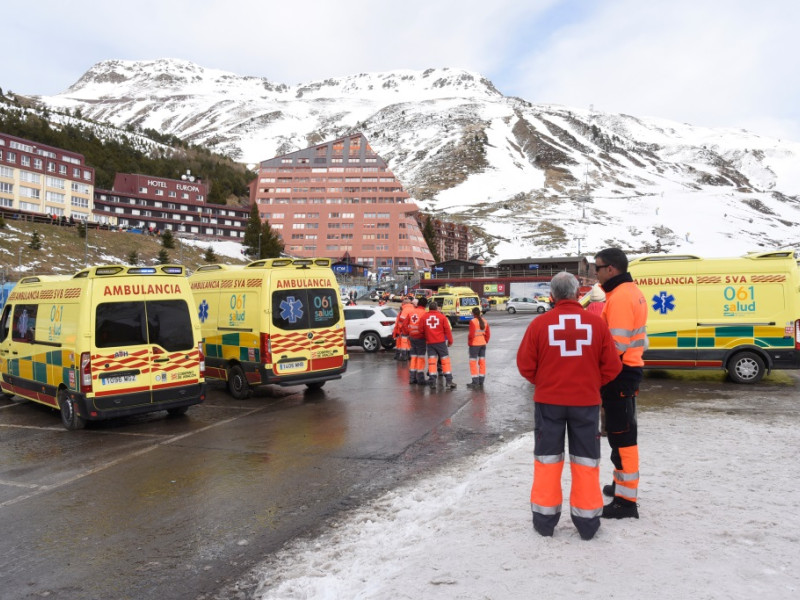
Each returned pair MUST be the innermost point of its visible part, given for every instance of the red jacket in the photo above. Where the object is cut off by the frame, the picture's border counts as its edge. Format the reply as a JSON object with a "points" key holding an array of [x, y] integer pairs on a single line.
{"points": [[436, 328], [412, 327], [568, 354]]}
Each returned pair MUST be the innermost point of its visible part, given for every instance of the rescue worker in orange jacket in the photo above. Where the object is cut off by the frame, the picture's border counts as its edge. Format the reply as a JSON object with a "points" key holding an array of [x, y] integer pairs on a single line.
{"points": [[402, 349], [626, 314], [438, 336], [416, 337], [478, 338], [568, 354]]}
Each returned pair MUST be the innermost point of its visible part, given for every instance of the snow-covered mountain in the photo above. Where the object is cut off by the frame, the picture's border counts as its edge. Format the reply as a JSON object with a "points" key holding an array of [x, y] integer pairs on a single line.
{"points": [[531, 179]]}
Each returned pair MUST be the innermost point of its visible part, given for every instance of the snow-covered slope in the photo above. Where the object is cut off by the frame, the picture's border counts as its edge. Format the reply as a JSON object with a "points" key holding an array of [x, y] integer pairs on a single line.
{"points": [[531, 179]]}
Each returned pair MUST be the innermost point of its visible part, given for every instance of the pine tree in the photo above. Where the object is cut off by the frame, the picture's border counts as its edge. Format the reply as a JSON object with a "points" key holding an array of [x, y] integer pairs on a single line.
{"points": [[81, 229], [271, 242], [250, 240], [167, 239], [210, 256], [429, 234], [133, 258], [36, 241], [163, 257]]}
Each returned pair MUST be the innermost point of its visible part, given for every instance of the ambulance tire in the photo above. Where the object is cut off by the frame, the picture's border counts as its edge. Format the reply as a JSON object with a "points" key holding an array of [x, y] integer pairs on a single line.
{"points": [[177, 412], [453, 322], [69, 416], [237, 383], [317, 385], [746, 367]]}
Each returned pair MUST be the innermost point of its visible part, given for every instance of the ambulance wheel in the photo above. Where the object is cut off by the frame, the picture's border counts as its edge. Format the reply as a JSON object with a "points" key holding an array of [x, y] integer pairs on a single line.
{"points": [[317, 385], [237, 383], [177, 412], [69, 416], [370, 342], [511, 310], [746, 367], [453, 321]]}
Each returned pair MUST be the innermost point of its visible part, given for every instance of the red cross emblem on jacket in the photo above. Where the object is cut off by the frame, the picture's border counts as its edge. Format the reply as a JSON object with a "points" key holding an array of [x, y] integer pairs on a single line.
{"points": [[570, 335]]}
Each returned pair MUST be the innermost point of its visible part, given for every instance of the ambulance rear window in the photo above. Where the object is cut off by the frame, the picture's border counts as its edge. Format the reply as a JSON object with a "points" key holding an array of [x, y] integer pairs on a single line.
{"points": [[168, 324], [305, 309]]}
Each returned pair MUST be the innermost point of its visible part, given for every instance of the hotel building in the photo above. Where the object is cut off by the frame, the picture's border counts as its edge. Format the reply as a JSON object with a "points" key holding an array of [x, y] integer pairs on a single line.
{"points": [[43, 180], [340, 199], [144, 201]]}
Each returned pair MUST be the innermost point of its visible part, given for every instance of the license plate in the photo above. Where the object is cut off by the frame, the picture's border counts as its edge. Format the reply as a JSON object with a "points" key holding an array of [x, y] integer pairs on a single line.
{"points": [[295, 365], [116, 380]]}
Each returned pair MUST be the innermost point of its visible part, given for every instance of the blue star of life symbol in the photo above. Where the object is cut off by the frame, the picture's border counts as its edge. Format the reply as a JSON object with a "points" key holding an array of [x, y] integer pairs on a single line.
{"points": [[291, 310], [663, 302], [202, 313]]}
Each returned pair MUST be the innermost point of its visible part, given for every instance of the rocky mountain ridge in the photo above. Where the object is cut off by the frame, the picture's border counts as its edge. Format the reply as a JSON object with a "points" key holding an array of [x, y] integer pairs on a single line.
{"points": [[530, 179]]}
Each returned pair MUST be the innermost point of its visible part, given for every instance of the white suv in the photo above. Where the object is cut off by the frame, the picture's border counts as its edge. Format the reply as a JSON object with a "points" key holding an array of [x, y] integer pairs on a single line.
{"points": [[370, 326]]}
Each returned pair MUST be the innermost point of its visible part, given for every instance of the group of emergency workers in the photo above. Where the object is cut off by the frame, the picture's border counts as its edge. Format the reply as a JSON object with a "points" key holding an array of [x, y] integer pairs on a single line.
{"points": [[423, 336]]}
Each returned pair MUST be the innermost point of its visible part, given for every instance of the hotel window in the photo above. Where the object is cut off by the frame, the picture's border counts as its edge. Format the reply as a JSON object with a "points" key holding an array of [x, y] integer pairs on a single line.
{"points": [[11, 157], [30, 177], [37, 163], [80, 188], [6, 172], [29, 207], [286, 161], [62, 169], [76, 172], [27, 192], [87, 175], [348, 215], [5, 202], [6, 188], [159, 192], [51, 167], [56, 211], [172, 195], [184, 196], [142, 190], [25, 160], [80, 202], [54, 197]]}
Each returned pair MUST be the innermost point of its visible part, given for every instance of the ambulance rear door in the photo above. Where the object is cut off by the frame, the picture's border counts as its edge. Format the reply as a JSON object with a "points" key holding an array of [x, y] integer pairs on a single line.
{"points": [[307, 333]]}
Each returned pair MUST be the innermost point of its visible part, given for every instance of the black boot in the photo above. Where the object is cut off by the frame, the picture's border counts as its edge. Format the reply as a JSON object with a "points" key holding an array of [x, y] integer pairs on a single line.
{"points": [[609, 490], [620, 508]]}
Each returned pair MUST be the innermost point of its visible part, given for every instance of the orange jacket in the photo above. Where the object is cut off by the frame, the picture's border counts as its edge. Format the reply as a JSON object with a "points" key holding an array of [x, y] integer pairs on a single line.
{"points": [[478, 336], [399, 324], [626, 315]]}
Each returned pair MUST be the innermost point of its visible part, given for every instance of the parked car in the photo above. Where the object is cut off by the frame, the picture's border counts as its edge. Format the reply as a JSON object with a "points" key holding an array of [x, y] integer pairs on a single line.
{"points": [[526, 305], [486, 305], [370, 326]]}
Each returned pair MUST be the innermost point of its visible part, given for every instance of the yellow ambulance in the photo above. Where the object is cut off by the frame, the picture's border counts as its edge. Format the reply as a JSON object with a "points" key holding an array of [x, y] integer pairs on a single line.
{"points": [[107, 342], [738, 314], [456, 303], [274, 321]]}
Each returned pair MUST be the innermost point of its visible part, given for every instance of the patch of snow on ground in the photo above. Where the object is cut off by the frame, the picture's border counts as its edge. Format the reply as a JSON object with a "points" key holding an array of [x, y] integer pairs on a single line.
{"points": [[718, 520]]}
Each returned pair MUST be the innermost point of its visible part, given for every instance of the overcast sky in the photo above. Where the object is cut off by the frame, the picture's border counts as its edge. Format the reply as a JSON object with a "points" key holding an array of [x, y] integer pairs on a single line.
{"points": [[726, 63]]}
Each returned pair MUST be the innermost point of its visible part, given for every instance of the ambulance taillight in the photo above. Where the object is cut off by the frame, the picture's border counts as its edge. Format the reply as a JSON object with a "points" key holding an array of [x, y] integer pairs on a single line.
{"points": [[797, 335], [201, 359], [266, 349], [86, 372]]}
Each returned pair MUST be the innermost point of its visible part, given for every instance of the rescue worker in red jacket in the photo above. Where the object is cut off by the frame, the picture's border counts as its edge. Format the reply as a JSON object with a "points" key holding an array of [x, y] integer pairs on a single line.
{"points": [[416, 337], [567, 353], [478, 338], [438, 336], [626, 314], [402, 349]]}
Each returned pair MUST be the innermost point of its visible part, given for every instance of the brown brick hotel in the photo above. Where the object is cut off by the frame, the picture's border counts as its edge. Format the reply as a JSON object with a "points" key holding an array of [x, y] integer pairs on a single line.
{"points": [[339, 198]]}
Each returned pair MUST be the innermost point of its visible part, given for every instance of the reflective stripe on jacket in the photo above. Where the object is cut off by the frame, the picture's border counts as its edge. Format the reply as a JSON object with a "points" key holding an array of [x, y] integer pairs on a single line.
{"points": [[626, 315], [478, 336]]}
